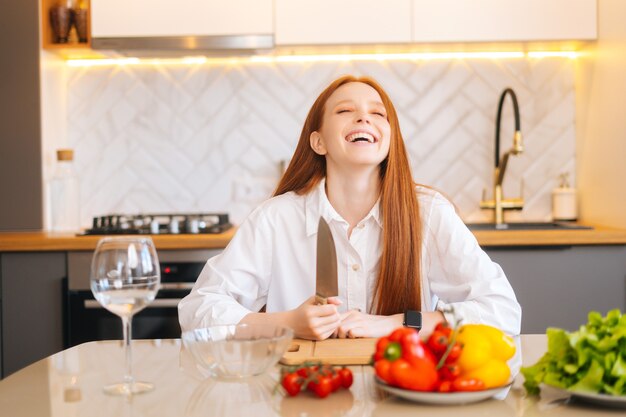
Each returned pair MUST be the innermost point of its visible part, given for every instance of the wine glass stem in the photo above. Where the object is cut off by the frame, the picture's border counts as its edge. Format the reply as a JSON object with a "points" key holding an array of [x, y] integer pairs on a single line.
{"points": [[128, 377]]}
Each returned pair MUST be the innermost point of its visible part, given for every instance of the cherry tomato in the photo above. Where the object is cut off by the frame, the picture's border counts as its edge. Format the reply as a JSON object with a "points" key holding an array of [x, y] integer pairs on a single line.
{"points": [[335, 380], [454, 353], [322, 386], [393, 351], [383, 370], [449, 372], [420, 375], [346, 377], [468, 384], [445, 386], [438, 342], [444, 327], [292, 383], [303, 372]]}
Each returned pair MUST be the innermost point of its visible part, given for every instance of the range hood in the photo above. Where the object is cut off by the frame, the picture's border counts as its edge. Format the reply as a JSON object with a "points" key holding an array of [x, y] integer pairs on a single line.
{"points": [[182, 27], [184, 45]]}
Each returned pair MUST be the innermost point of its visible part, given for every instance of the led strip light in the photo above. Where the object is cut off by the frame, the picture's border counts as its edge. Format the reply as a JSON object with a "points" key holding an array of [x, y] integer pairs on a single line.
{"points": [[417, 56]]}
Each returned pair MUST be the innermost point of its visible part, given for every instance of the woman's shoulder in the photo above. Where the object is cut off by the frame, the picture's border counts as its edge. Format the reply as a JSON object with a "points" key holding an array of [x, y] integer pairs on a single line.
{"points": [[280, 205], [429, 197], [436, 210]]}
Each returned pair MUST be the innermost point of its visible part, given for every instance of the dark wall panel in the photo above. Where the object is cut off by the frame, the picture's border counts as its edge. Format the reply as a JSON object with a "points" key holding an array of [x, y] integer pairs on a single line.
{"points": [[32, 307], [21, 197]]}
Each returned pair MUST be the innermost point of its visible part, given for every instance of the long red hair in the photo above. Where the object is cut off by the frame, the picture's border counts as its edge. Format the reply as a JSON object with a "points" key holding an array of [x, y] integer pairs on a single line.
{"points": [[398, 285]]}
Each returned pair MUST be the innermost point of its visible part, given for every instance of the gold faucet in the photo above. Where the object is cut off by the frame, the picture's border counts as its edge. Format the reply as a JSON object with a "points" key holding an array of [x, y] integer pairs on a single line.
{"points": [[499, 203]]}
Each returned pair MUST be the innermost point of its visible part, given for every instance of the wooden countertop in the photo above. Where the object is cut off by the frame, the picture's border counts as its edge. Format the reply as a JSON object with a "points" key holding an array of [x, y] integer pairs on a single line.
{"points": [[47, 241], [597, 236]]}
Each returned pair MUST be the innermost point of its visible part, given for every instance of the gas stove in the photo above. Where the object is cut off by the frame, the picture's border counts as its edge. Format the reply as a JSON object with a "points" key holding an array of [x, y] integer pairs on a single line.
{"points": [[155, 224]]}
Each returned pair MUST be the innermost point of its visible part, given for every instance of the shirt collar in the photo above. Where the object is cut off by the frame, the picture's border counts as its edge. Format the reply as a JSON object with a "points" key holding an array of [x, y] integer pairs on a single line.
{"points": [[317, 205]]}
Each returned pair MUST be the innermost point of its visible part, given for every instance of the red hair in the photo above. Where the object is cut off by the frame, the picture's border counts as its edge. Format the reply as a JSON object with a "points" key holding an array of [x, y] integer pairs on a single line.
{"points": [[398, 284]]}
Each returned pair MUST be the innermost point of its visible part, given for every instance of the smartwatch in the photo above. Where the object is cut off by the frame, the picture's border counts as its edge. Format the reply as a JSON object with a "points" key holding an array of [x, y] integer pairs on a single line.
{"points": [[413, 319]]}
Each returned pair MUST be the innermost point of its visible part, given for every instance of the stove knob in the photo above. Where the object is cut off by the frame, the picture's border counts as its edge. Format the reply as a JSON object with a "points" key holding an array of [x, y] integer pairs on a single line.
{"points": [[174, 226], [154, 227]]}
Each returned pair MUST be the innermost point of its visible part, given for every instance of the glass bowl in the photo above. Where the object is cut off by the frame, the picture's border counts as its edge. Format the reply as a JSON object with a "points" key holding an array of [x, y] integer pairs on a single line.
{"points": [[237, 351]]}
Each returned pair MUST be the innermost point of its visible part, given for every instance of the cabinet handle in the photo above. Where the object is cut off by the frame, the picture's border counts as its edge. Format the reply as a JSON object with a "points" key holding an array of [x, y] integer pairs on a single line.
{"points": [[176, 286]]}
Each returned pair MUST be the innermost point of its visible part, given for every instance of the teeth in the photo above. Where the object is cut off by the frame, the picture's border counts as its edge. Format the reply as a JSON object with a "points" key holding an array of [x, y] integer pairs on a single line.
{"points": [[361, 135]]}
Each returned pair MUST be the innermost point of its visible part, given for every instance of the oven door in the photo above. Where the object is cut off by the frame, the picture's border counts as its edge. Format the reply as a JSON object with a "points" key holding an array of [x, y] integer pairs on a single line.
{"points": [[88, 320]]}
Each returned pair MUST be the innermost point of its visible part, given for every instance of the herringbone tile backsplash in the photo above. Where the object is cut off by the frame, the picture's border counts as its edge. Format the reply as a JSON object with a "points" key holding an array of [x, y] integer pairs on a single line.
{"points": [[207, 137]]}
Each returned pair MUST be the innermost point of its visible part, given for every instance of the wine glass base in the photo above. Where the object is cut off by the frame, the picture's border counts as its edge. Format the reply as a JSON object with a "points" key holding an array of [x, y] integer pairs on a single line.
{"points": [[124, 388]]}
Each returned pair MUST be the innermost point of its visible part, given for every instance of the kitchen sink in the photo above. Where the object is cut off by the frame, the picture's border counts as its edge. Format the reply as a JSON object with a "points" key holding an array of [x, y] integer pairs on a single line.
{"points": [[528, 226]]}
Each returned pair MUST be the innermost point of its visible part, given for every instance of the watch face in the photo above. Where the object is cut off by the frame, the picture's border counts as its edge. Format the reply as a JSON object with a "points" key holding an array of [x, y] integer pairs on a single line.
{"points": [[413, 318]]}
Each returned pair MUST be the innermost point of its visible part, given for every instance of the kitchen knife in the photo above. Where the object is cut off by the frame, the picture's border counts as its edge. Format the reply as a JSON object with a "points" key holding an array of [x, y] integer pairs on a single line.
{"points": [[326, 272]]}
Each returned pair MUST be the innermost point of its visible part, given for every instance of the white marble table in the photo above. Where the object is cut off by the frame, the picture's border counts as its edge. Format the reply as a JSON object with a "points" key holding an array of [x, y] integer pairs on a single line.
{"points": [[70, 383]]}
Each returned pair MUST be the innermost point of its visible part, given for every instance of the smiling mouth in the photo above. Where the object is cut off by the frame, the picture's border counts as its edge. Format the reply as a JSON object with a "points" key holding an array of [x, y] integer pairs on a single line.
{"points": [[361, 137]]}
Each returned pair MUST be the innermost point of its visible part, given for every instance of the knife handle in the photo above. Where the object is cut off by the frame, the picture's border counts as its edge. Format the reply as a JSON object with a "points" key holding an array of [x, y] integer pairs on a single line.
{"points": [[320, 300]]}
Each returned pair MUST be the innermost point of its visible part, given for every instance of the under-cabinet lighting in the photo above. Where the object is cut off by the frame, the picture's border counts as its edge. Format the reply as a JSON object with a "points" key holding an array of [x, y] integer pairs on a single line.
{"points": [[194, 60], [102, 62], [549, 54], [413, 56], [389, 57]]}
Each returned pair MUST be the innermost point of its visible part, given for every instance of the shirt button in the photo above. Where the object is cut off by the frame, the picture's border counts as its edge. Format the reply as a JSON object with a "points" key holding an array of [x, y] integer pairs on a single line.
{"points": [[356, 267]]}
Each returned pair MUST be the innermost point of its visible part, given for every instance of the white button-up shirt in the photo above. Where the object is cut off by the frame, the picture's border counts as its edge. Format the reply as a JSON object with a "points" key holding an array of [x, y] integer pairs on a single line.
{"points": [[271, 261]]}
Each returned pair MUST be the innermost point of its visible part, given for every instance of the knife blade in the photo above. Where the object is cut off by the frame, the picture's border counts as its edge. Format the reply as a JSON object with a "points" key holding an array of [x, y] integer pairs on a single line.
{"points": [[326, 270]]}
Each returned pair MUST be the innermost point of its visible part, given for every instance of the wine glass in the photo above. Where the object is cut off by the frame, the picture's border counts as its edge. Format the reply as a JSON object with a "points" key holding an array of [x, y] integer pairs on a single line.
{"points": [[125, 276]]}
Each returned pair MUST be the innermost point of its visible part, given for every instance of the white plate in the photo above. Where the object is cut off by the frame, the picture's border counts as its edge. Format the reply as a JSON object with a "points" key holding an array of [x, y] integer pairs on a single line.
{"points": [[601, 399], [440, 398]]}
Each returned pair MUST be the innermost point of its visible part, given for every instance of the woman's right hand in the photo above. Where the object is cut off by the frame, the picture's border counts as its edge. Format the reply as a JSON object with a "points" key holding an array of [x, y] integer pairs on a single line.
{"points": [[314, 321]]}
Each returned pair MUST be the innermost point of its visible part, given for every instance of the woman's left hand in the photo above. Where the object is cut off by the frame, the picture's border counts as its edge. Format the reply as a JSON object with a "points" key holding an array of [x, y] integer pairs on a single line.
{"points": [[357, 324]]}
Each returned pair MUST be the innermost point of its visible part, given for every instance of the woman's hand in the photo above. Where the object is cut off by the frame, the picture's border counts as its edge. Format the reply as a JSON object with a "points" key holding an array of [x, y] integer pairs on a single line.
{"points": [[356, 324], [315, 322]]}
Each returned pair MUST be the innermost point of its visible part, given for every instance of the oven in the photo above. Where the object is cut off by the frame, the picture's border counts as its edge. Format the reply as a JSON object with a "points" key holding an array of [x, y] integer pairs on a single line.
{"points": [[86, 320]]}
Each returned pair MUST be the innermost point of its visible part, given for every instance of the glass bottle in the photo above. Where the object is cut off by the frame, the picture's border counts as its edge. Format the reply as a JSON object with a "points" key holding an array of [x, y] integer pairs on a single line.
{"points": [[64, 201]]}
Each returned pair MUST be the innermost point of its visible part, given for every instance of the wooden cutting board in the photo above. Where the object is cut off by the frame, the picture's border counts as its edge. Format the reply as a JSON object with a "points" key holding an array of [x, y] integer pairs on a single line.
{"points": [[331, 351]]}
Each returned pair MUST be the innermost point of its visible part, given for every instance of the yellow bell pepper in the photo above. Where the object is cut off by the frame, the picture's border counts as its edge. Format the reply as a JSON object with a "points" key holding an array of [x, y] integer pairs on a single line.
{"points": [[486, 350]]}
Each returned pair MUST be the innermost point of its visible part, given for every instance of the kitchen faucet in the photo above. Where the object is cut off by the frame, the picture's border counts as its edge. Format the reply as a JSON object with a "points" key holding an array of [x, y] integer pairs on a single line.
{"points": [[499, 203]]}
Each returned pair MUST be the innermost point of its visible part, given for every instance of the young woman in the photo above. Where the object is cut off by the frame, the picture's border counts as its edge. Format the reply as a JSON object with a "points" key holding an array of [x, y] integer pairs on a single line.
{"points": [[400, 247]]}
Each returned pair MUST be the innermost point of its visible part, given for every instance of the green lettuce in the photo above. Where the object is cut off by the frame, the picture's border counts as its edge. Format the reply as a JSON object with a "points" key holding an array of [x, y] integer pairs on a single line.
{"points": [[592, 359]]}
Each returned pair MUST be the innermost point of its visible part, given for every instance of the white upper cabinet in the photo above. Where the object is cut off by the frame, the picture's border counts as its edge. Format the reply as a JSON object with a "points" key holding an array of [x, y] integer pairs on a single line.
{"points": [[503, 20], [342, 22], [162, 18], [348, 22]]}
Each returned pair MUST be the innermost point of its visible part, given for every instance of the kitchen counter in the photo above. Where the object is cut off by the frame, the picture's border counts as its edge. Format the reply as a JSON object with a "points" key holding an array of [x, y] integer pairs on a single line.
{"points": [[70, 383], [599, 235], [47, 241]]}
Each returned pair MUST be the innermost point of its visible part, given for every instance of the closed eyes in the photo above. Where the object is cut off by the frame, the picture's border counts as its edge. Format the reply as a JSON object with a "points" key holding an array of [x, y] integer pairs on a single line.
{"points": [[376, 113]]}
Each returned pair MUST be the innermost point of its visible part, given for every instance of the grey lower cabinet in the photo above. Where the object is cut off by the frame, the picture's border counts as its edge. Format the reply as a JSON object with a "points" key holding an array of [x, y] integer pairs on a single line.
{"points": [[558, 286], [31, 300]]}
